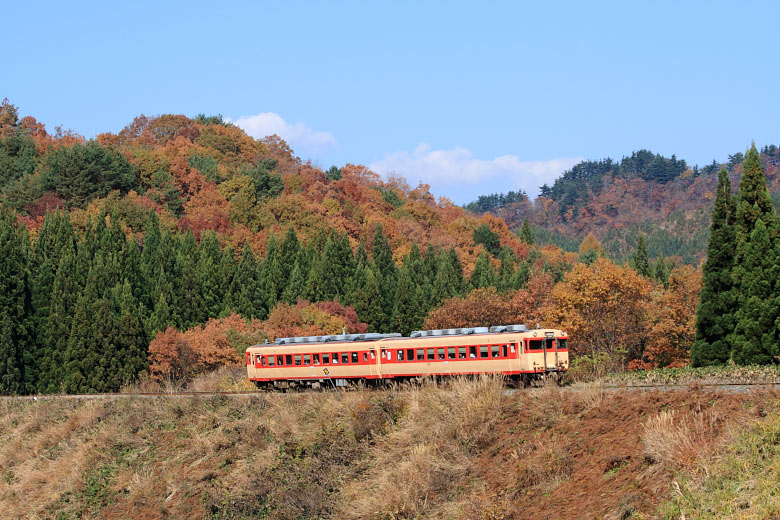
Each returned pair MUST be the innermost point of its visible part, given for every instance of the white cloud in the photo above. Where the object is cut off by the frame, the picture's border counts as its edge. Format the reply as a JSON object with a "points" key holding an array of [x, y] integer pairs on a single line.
{"points": [[299, 136], [457, 171]]}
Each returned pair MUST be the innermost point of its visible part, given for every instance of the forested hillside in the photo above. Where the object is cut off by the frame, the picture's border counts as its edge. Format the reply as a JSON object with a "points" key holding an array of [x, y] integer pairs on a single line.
{"points": [[647, 194], [167, 248]]}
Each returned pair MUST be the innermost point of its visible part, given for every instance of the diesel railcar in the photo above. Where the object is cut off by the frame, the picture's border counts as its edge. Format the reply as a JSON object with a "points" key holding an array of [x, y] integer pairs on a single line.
{"points": [[512, 350]]}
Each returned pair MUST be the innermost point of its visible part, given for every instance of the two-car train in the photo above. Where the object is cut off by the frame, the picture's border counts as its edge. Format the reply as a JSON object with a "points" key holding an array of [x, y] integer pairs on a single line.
{"points": [[512, 350]]}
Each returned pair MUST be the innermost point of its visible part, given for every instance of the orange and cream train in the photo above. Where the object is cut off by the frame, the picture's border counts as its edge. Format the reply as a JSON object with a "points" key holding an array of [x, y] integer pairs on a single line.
{"points": [[511, 350]]}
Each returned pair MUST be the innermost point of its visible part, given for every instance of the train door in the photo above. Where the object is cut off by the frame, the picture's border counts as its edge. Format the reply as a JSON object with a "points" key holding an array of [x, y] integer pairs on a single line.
{"points": [[550, 351], [514, 355]]}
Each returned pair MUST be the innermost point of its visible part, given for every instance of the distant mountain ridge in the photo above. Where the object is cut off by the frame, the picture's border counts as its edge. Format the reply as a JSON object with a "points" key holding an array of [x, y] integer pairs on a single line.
{"points": [[644, 193]]}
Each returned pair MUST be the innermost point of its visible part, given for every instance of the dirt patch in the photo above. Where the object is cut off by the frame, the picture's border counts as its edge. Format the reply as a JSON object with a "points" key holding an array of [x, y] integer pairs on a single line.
{"points": [[572, 460]]}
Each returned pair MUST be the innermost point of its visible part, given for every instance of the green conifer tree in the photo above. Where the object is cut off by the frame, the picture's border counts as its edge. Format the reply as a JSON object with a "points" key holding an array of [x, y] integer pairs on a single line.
{"points": [[506, 270], [525, 233], [242, 295], [407, 315], [640, 261], [521, 275], [661, 271], [15, 305], [367, 299], [483, 274], [382, 257], [755, 338], [715, 316]]}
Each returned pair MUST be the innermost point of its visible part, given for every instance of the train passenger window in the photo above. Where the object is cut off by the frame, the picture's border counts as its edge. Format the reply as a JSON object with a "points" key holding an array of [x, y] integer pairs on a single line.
{"points": [[562, 344], [461, 352], [451, 353], [344, 358], [326, 359], [410, 354], [512, 348], [441, 353], [365, 356], [288, 359], [483, 351], [399, 355], [257, 361], [420, 354], [297, 359], [431, 354], [307, 359], [503, 350], [385, 354], [373, 356], [472, 352], [495, 351], [316, 359], [248, 358], [535, 344], [335, 358], [262, 360], [354, 357], [271, 360], [280, 360]]}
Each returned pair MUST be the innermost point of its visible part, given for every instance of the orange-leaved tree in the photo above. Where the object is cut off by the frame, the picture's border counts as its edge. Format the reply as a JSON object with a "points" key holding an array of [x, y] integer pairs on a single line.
{"points": [[601, 307], [180, 355], [671, 319]]}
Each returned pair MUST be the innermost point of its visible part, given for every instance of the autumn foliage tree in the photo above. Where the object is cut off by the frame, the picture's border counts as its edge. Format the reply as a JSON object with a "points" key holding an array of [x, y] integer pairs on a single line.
{"points": [[601, 307]]}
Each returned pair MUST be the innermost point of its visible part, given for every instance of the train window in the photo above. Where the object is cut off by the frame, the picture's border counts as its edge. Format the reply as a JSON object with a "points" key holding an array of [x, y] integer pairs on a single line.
{"points": [[262, 360], [288, 359], [316, 359], [431, 354], [297, 359], [562, 344], [495, 351], [535, 344], [335, 358], [344, 358], [280, 360], [420, 354], [385, 354], [257, 361], [373, 356], [326, 359], [410, 354], [399, 355], [451, 353], [483, 351], [472, 352], [354, 357], [461, 352], [307, 359], [365, 356], [503, 350], [441, 353], [271, 360], [512, 348], [248, 358]]}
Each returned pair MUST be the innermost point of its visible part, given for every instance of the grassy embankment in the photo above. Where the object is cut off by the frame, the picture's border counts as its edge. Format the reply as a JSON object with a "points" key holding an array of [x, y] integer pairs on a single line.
{"points": [[464, 450]]}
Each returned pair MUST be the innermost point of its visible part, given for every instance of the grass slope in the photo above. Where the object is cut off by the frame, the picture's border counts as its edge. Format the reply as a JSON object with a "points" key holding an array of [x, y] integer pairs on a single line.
{"points": [[464, 450]]}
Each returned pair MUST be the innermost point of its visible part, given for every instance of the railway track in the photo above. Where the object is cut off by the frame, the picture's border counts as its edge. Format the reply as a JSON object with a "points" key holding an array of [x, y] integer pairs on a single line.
{"points": [[725, 387]]}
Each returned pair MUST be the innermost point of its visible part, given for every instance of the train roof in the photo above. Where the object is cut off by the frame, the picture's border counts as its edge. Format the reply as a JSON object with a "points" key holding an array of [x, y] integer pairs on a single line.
{"points": [[418, 334]]}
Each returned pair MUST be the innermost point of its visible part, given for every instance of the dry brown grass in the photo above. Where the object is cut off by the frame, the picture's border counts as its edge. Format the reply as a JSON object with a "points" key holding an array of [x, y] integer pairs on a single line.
{"points": [[458, 450]]}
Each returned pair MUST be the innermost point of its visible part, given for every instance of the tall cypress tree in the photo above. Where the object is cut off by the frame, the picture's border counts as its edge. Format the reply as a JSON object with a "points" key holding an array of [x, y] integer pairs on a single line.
{"points": [[366, 298], [640, 261], [525, 233], [715, 315], [483, 274], [407, 315], [210, 278], [446, 283], [755, 338], [382, 257], [242, 296], [506, 269], [15, 306]]}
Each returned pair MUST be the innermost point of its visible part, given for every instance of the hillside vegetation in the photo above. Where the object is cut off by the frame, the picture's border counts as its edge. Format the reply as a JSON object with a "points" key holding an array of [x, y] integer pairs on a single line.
{"points": [[647, 194], [460, 451]]}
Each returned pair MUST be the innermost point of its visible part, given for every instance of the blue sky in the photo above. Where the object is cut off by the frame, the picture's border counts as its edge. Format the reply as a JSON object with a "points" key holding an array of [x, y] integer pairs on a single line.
{"points": [[469, 97]]}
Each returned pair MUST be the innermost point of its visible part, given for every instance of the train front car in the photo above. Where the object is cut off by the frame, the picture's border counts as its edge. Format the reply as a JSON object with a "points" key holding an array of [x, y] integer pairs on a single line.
{"points": [[545, 351]]}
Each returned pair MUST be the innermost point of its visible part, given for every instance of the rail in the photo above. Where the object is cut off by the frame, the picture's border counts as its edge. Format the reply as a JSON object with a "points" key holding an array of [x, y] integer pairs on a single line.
{"points": [[732, 386]]}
